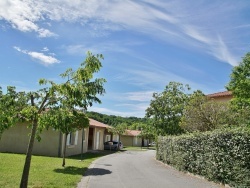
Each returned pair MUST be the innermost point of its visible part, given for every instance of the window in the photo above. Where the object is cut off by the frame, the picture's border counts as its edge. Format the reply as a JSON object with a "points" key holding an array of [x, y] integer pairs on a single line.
{"points": [[72, 138], [107, 138], [115, 137], [97, 139], [136, 141], [83, 134]]}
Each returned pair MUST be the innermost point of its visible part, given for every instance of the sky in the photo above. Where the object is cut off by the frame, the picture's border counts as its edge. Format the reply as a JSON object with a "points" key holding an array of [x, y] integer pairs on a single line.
{"points": [[145, 43]]}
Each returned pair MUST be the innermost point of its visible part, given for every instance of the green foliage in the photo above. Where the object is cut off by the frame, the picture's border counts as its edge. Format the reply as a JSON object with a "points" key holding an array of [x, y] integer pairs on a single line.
{"points": [[166, 108], [147, 131], [204, 114], [220, 155], [79, 91], [119, 129], [10, 105], [240, 86], [113, 120], [64, 120]]}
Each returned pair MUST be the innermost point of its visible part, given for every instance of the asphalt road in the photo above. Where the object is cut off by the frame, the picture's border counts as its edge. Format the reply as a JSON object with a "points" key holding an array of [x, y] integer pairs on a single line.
{"points": [[136, 169]]}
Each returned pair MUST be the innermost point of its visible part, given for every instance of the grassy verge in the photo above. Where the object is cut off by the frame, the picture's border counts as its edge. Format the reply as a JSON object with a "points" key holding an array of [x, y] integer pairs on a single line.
{"points": [[45, 171]]}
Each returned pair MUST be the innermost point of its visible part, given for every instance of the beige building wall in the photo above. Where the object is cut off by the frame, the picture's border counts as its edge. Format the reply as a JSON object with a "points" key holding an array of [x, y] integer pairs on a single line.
{"points": [[223, 98], [137, 141], [127, 140], [15, 140], [98, 138], [132, 140], [76, 147]]}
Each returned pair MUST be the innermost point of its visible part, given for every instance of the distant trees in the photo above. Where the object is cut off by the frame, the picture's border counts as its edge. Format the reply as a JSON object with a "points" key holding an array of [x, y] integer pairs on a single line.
{"points": [[166, 108], [67, 121], [113, 120], [148, 131], [204, 114]]}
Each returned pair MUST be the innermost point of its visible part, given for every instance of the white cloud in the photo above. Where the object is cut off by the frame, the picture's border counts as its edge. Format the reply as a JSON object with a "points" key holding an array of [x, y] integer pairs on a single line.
{"points": [[45, 49], [196, 35], [138, 96], [221, 52], [134, 113], [45, 33], [23, 15], [101, 47], [178, 22], [44, 59], [140, 107], [149, 77]]}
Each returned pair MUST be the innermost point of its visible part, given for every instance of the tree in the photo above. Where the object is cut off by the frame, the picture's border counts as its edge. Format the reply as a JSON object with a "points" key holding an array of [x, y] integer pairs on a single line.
{"points": [[77, 92], [118, 130], [66, 121], [147, 132], [114, 120], [10, 105], [204, 114], [239, 85], [166, 108]]}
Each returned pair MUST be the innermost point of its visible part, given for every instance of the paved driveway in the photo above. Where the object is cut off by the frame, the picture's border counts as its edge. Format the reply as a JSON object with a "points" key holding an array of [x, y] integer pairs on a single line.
{"points": [[136, 169]]}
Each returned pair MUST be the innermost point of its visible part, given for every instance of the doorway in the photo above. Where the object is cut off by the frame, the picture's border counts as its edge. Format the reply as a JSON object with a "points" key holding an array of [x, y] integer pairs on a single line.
{"points": [[90, 138]]}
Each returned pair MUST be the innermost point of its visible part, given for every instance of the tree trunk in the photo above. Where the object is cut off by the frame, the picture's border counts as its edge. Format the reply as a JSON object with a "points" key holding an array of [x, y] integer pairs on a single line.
{"points": [[26, 168], [64, 150]]}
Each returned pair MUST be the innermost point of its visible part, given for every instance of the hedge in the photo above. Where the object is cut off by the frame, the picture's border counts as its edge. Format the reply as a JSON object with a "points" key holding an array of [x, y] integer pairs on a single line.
{"points": [[221, 155]]}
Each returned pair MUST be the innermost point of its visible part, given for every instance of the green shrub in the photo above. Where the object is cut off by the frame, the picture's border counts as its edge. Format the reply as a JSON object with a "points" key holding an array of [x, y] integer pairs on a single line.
{"points": [[221, 155]]}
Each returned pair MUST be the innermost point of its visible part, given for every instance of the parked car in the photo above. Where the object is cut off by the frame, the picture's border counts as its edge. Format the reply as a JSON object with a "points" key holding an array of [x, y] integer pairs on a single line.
{"points": [[152, 144], [113, 145]]}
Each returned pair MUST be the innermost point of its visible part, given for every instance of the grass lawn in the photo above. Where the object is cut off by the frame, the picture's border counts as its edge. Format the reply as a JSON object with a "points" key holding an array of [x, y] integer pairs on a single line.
{"points": [[45, 171]]}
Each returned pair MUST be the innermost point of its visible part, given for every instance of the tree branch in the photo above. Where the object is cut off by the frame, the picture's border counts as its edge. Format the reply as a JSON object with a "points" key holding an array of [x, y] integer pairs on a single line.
{"points": [[44, 101]]}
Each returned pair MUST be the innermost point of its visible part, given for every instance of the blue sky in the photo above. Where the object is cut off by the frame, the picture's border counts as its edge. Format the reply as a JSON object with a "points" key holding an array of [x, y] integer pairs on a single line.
{"points": [[146, 44]]}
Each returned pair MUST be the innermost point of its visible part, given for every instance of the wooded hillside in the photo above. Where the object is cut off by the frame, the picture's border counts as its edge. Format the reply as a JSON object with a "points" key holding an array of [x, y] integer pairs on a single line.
{"points": [[115, 120]]}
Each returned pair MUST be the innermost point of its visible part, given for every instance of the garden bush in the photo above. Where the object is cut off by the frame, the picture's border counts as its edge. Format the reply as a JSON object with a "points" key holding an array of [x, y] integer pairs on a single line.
{"points": [[220, 155]]}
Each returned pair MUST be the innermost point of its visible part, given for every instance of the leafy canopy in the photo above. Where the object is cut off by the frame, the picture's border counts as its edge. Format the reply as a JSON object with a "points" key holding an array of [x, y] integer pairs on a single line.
{"points": [[119, 129], [166, 108], [204, 114], [10, 103], [54, 105], [239, 85], [147, 131]]}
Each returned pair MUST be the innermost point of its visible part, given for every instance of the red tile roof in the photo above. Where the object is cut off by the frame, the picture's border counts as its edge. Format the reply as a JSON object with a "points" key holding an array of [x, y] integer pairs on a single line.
{"points": [[220, 94], [95, 123], [132, 132]]}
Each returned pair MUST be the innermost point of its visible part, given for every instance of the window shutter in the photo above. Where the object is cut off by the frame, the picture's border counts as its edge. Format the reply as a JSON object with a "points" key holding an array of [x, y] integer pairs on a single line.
{"points": [[83, 132], [68, 139], [76, 137]]}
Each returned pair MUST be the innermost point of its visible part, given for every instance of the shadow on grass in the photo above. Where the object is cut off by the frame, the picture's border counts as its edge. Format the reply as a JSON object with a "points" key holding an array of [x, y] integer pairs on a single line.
{"points": [[71, 170]]}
